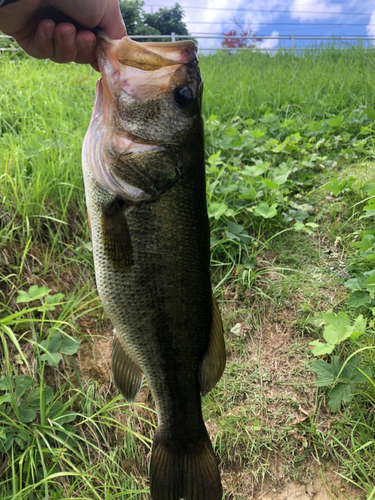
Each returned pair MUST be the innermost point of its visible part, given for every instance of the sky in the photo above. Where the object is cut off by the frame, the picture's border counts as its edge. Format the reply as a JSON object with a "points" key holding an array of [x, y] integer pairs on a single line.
{"points": [[276, 18]]}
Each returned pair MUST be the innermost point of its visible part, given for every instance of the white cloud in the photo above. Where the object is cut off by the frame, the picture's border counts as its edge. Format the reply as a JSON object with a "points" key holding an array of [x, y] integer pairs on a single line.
{"points": [[249, 21], [231, 11], [312, 10], [259, 14], [269, 43], [371, 29], [212, 16]]}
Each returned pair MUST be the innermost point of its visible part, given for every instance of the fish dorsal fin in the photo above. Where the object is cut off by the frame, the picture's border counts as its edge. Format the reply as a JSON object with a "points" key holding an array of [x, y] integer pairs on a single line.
{"points": [[126, 374], [213, 362]]}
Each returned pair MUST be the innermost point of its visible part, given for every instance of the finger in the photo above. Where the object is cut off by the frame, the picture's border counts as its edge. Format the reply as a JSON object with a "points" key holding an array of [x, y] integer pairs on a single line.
{"points": [[86, 41], [65, 43], [112, 22], [85, 12], [104, 14], [41, 45]]}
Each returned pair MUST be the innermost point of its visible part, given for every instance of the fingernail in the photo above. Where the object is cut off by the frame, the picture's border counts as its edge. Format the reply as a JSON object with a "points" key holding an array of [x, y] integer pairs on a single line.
{"points": [[49, 31], [68, 38]]}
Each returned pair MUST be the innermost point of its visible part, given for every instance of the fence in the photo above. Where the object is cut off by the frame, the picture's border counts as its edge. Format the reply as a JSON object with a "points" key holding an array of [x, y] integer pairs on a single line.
{"points": [[293, 39]]}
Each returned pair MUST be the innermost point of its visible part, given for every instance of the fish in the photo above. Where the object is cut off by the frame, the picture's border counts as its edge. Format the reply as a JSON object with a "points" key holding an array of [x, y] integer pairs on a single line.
{"points": [[144, 173]]}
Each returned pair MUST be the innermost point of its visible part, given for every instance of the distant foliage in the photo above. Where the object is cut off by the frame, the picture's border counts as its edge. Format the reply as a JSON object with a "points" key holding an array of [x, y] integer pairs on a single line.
{"points": [[241, 42], [132, 13], [162, 22], [168, 20]]}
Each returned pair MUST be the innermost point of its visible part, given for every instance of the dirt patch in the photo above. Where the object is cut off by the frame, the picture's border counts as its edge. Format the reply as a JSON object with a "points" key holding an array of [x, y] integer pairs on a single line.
{"points": [[240, 485], [276, 359], [94, 354], [316, 488]]}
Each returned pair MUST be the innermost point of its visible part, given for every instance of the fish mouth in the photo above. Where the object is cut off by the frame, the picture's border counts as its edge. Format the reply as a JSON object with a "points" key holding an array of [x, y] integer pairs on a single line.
{"points": [[149, 55], [142, 70], [138, 72]]}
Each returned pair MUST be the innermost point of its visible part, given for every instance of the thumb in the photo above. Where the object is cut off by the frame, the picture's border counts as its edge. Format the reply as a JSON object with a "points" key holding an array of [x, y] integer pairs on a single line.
{"points": [[112, 22]]}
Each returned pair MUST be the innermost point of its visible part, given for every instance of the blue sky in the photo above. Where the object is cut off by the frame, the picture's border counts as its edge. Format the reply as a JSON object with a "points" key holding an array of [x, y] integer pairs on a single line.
{"points": [[276, 17]]}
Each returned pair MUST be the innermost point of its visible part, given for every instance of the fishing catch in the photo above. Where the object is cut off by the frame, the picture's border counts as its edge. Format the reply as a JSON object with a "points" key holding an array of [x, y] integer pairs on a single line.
{"points": [[144, 172]]}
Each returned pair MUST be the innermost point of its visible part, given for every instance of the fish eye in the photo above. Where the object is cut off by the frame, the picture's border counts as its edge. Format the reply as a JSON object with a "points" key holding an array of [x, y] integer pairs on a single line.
{"points": [[183, 96]]}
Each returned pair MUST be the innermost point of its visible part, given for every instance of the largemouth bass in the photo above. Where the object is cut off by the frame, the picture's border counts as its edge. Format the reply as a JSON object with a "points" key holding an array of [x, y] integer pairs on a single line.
{"points": [[144, 172]]}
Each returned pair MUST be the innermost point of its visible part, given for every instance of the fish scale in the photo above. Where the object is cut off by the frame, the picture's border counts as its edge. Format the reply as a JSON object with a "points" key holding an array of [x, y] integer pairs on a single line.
{"points": [[150, 237]]}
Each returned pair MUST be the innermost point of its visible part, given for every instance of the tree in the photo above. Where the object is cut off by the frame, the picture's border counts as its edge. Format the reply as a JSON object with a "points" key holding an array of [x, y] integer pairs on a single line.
{"points": [[240, 42], [162, 22], [168, 20]]}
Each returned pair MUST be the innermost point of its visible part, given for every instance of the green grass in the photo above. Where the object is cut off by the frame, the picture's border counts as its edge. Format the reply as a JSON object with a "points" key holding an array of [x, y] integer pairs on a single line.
{"points": [[317, 84], [277, 129]]}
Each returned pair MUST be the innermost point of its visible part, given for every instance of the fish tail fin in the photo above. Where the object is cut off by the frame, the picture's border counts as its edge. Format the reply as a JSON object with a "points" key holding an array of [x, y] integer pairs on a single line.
{"points": [[190, 474]]}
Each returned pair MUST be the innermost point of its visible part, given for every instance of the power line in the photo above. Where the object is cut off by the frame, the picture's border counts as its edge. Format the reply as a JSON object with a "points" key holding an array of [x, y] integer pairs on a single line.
{"points": [[257, 35], [195, 33], [313, 25], [286, 36], [270, 11], [336, 2]]}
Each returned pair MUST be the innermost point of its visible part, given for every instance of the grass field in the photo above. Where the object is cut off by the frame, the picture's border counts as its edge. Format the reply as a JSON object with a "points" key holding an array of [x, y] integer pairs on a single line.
{"points": [[291, 189]]}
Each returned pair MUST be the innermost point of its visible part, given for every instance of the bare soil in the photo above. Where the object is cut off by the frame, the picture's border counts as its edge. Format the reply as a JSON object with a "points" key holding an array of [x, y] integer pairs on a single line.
{"points": [[318, 485], [94, 354]]}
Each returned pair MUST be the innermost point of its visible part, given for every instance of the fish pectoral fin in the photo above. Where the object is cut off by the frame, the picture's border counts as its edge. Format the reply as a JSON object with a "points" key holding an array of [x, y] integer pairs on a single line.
{"points": [[116, 238], [213, 362], [126, 374]]}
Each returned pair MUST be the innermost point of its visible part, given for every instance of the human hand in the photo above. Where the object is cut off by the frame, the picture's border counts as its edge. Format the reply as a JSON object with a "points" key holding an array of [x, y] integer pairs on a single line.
{"points": [[57, 29]]}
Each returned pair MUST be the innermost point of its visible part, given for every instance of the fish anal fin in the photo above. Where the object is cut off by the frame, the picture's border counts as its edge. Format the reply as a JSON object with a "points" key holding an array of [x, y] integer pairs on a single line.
{"points": [[126, 374], [116, 238], [189, 474], [213, 363]]}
